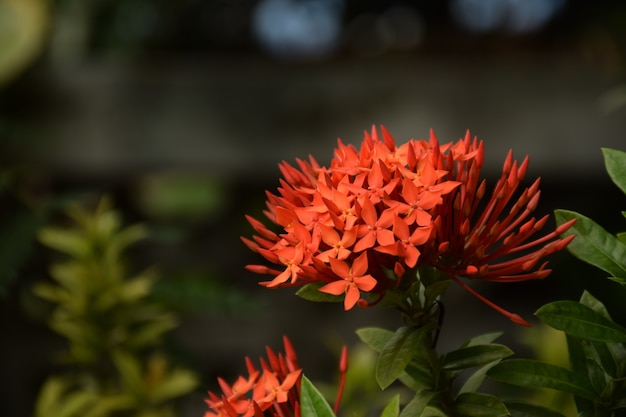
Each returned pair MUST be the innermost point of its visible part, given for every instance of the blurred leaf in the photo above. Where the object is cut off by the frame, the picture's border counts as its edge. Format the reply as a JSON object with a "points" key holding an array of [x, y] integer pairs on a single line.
{"points": [[150, 332], [66, 241], [471, 404], [312, 403], [471, 356], [581, 321], [397, 353], [393, 408], [189, 291], [178, 382], [55, 398], [594, 245], [130, 371], [518, 409], [615, 162], [23, 28], [180, 196], [535, 374]]}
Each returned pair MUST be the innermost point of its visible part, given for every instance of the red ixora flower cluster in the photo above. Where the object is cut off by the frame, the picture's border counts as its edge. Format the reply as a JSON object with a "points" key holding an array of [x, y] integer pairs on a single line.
{"points": [[396, 208], [274, 390]]}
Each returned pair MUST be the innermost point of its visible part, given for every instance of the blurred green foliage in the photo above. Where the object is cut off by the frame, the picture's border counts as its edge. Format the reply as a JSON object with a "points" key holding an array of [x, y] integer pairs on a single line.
{"points": [[112, 328]]}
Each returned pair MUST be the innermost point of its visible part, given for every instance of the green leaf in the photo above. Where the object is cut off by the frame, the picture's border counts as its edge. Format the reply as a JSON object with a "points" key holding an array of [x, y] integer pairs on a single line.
{"points": [[475, 381], [471, 356], [593, 244], [535, 374], [417, 406], [581, 321], [375, 337], [312, 403], [417, 375], [483, 339], [397, 353], [518, 409], [594, 304], [310, 293], [615, 162], [472, 404], [393, 408]]}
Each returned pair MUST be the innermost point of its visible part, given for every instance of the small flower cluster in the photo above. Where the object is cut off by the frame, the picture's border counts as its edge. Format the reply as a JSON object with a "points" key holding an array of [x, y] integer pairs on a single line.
{"points": [[274, 390], [386, 208]]}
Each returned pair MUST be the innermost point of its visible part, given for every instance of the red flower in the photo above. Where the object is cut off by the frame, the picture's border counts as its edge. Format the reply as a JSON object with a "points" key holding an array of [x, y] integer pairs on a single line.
{"points": [[399, 208], [275, 389]]}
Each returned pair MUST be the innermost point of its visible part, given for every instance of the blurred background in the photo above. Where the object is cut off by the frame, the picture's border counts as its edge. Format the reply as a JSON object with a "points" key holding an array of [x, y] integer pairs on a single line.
{"points": [[181, 110]]}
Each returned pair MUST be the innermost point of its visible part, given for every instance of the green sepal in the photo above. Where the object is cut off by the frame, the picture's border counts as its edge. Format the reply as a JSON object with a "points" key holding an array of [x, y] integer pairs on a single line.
{"points": [[581, 321]]}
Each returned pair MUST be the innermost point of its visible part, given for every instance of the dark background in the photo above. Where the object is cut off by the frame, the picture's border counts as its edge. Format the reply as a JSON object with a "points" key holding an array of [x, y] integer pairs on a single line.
{"points": [[182, 110]]}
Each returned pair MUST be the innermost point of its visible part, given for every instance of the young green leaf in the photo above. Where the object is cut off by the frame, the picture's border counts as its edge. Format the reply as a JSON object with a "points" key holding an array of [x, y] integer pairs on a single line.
{"points": [[581, 321], [312, 403], [393, 408], [593, 244], [472, 404], [397, 353], [519, 409], [615, 162], [471, 356], [535, 374]]}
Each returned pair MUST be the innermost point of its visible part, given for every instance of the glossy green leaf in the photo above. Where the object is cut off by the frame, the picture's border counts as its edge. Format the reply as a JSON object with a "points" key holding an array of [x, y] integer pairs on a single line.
{"points": [[397, 353], [393, 408], [615, 163], [310, 292], [471, 356], [519, 409], [593, 244], [581, 321], [535, 374], [417, 406], [472, 404], [312, 403]]}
